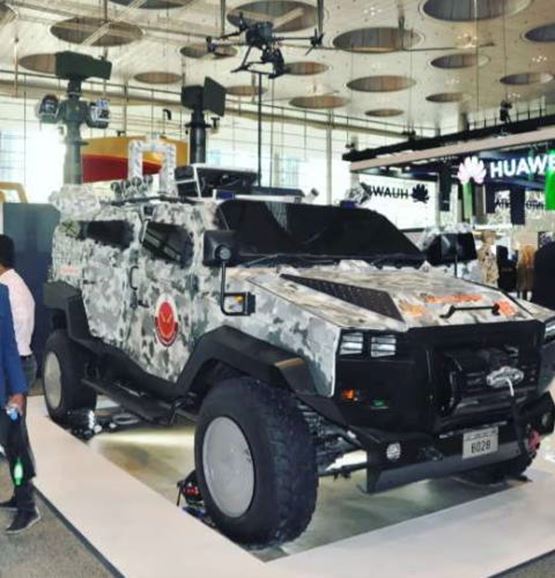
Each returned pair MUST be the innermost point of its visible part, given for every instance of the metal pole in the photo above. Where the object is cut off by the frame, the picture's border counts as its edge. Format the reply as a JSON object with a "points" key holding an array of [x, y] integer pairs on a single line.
{"points": [[260, 130], [329, 161], [197, 138], [73, 117]]}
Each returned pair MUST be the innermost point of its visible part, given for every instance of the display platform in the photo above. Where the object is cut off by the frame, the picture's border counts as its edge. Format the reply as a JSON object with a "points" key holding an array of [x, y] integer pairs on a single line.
{"points": [[444, 528]]}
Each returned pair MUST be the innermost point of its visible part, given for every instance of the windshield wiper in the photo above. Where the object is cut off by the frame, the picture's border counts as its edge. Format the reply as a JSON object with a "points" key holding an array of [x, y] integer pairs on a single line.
{"points": [[396, 258], [287, 257]]}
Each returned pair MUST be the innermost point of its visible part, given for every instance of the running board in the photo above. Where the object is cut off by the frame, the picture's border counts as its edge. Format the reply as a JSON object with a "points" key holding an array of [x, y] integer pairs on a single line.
{"points": [[145, 408]]}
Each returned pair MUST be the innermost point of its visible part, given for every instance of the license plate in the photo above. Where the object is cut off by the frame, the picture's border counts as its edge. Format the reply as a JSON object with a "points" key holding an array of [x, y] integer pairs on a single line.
{"points": [[480, 442]]}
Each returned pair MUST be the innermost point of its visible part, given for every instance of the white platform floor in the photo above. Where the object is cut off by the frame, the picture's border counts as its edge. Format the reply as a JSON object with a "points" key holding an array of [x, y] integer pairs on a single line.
{"points": [[142, 533]]}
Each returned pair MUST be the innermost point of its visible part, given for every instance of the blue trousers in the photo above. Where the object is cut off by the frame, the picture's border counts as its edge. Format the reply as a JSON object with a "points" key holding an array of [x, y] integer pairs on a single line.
{"points": [[19, 447]]}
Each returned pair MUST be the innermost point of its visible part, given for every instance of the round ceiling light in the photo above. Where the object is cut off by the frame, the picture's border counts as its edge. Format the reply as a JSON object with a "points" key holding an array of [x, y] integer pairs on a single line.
{"points": [[158, 77], [384, 112], [200, 50], [286, 15], [376, 40], [472, 10], [446, 97], [381, 83], [155, 4], [322, 101], [526, 78], [461, 60], [41, 62], [306, 68], [77, 30], [544, 33], [243, 90]]}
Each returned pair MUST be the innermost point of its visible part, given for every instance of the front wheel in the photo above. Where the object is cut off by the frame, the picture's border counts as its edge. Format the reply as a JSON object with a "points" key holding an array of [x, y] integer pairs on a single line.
{"points": [[255, 462], [63, 370]]}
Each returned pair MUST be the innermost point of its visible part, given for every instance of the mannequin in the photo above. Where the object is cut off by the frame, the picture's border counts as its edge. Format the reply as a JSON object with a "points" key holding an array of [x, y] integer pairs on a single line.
{"points": [[488, 259], [525, 271]]}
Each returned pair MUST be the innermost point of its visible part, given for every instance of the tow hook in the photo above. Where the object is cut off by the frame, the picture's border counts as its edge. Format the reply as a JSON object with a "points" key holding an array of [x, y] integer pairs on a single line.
{"points": [[534, 442], [430, 454]]}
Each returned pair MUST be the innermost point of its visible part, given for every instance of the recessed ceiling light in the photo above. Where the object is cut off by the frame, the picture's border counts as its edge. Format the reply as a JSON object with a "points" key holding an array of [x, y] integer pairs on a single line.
{"points": [[376, 40], [200, 50], [526, 78], [42, 62], [158, 77], [384, 112], [381, 83], [472, 10], [244, 90], [460, 60], [446, 97], [7, 15], [321, 101], [77, 30], [155, 4], [306, 68], [545, 33]]}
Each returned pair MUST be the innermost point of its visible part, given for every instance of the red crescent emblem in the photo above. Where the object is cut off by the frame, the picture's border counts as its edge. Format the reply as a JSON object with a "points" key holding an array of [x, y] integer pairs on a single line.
{"points": [[166, 323]]}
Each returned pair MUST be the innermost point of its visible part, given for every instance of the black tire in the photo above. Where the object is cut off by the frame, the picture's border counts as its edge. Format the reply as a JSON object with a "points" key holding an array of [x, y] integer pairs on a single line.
{"points": [[69, 394], [283, 459], [497, 473]]}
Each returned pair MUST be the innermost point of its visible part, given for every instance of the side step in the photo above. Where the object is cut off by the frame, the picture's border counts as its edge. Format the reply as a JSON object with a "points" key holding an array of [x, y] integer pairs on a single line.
{"points": [[144, 407]]}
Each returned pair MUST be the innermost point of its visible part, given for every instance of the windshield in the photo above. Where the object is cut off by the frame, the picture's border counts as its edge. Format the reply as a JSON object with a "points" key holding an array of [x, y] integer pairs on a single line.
{"points": [[297, 230]]}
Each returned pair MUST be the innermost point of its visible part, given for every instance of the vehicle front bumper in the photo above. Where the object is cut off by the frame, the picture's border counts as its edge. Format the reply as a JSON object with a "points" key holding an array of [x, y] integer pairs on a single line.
{"points": [[425, 456]]}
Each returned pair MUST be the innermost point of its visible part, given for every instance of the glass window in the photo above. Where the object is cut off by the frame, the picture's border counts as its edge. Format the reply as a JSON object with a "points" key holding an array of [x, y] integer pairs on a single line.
{"points": [[113, 233], [169, 243]]}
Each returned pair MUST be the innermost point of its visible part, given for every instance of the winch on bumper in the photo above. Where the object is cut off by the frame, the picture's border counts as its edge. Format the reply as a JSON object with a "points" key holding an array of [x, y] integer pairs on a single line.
{"points": [[436, 402]]}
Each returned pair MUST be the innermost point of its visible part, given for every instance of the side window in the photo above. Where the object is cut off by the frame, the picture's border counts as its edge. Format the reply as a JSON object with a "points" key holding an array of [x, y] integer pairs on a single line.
{"points": [[169, 243], [117, 234]]}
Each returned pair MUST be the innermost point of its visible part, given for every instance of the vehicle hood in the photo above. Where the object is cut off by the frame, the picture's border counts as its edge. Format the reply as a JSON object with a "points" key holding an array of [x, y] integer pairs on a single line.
{"points": [[390, 300]]}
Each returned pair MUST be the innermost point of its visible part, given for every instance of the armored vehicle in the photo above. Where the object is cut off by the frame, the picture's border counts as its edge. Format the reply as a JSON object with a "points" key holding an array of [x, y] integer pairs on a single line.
{"points": [[293, 334]]}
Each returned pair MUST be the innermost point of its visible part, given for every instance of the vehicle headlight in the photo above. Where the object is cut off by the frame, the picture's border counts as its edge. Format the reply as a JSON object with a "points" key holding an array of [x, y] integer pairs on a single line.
{"points": [[352, 343], [383, 346], [549, 330]]}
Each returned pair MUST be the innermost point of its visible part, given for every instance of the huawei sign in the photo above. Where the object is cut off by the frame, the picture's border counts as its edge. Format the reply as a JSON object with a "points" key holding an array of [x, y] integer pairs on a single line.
{"points": [[165, 321], [472, 169]]}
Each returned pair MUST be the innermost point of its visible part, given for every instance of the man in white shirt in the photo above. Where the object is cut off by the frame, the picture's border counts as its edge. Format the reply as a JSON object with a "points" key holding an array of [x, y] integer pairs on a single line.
{"points": [[23, 308], [22, 305]]}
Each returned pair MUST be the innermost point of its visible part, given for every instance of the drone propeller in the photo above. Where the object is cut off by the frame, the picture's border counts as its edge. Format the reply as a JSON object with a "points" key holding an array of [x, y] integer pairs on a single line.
{"points": [[250, 17], [316, 41]]}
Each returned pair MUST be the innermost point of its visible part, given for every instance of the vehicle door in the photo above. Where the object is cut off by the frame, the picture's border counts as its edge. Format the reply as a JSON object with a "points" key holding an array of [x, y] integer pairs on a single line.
{"points": [[159, 340], [106, 288]]}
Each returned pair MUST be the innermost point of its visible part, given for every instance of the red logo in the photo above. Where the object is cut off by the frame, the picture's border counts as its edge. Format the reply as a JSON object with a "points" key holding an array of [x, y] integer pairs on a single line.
{"points": [[166, 321]]}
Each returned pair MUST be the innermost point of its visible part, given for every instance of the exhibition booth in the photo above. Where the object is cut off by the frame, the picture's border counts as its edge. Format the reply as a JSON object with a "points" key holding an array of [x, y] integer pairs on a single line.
{"points": [[241, 378]]}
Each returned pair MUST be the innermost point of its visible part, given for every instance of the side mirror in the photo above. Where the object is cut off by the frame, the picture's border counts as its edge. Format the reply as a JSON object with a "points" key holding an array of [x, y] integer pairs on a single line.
{"points": [[220, 248]]}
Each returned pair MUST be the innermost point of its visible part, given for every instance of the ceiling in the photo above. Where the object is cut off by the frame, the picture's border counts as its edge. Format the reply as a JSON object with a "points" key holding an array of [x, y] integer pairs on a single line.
{"points": [[161, 42]]}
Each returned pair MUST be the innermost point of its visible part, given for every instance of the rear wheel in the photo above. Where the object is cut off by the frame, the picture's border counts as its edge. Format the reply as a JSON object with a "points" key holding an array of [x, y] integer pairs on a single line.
{"points": [[256, 463], [63, 369]]}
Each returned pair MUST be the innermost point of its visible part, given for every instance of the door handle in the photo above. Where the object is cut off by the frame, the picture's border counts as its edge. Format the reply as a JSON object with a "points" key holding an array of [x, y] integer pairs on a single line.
{"points": [[131, 275]]}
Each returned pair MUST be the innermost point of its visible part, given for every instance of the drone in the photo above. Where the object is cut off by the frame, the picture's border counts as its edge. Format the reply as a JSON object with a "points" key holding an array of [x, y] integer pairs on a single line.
{"points": [[259, 35]]}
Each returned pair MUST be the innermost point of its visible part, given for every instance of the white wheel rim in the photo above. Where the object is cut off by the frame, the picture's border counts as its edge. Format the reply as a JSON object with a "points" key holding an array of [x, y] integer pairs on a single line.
{"points": [[228, 467], [52, 377]]}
